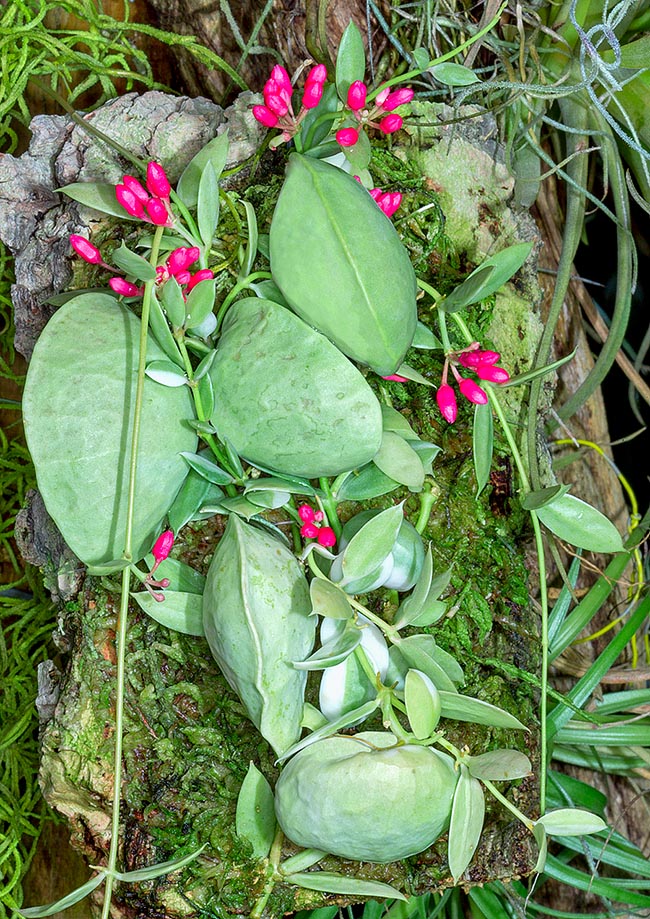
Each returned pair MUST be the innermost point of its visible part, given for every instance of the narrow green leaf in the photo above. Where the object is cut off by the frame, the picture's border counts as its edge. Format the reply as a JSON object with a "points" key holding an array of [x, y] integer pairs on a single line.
{"points": [[205, 365], [215, 152], [425, 340], [156, 871], [173, 302], [599, 887], [255, 815], [466, 708], [133, 264], [543, 496], [350, 60], [614, 735], [482, 445], [499, 765], [110, 567], [207, 469], [422, 701], [35, 912], [542, 841], [392, 420], [522, 378], [192, 496], [453, 74], [332, 727], [166, 373], [358, 156], [413, 604], [467, 816], [161, 331], [300, 862], [405, 370], [208, 205], [278, 483], [180, 611], [330, 882], [571, 821], [580, 524], [100, 196], [334, 651], [250, 252], [366, 483], [470, 291]]}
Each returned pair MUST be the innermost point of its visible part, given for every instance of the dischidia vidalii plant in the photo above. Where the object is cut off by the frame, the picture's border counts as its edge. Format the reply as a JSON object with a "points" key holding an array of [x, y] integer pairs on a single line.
{"points": [[281, 386]]}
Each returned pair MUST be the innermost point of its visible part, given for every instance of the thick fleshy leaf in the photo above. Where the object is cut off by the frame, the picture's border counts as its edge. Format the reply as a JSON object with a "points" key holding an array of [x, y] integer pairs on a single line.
{"points": [[166, 373], [350, 60], [209, 470], [287, 399], [180, 611], [571, 821], [422, 701], [78, 411], [329, 600], [482, 444], [171, 298], [195, 492], [334, 651], [277, 483], [451, 74], [214, 152], [534, 500], [207, 211], [425, 339], [133, 264], [181, 576], [467, 816], [420, 653], [255, 815], [344, 884], [499, 765], [365, 483], [466, 708], [328, 730], [394, 421], [199, 303], [327, 226], [162, 333], [399, 461], [248, 257], [100, 196], [580, 524], [372, 544], [542, 841], [488, 277]]}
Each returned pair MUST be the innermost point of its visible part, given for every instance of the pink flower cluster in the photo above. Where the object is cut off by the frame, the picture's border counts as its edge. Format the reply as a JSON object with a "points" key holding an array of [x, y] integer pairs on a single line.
{"points": [[383, 109], [150, 204], [387, 201], [312, 526], [176, 266], [277, 111], [161, 549], [483, 364]]}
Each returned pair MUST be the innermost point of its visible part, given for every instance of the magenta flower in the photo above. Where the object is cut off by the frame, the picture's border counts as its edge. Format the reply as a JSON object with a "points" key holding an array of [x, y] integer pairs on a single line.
{"points": [[309, 530], [124, 288], [396, 98], [162, 547], [347, 137], [157, 181], [446, 399], [391, 123], [203, 275], [265, 116], [136, 187], [306, 513], [357, 95], [472, 391], [86, 250], [129, 201], [492, 374], [281, 78], [158, 213], [326, 537], [312, 95]]}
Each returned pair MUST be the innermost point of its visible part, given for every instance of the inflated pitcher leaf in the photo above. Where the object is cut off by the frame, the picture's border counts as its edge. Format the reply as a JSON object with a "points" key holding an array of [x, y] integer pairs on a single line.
{"points": [[330, 882], [255, 815], [78, 409], [370, 312], [580, 524], [467, 816]]}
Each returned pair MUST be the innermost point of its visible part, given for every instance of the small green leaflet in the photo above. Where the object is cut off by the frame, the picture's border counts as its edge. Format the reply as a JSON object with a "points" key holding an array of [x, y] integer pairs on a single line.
{"points": [[399, 461], [534, 500], [482, 445], [422, 701], [499, 765], [133, 264], [330, 882], [350, 60], [207, 469], [215, 152], [466, 708], [329, 600], [208, 205], [571, 821], [255, 815], [180, 611], [467, 816], [166, 373], [453, 74], [371, 546]]}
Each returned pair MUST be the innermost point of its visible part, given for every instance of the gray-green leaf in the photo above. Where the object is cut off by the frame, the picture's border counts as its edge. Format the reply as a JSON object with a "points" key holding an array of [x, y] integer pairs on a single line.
{"points": [[255, 815], [580, 524], [467, 815], [330, 882], [180, 611], [499, 765]]}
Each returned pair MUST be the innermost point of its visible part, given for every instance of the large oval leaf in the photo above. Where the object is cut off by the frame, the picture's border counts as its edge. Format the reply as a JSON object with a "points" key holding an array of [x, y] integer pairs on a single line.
{"points": [[341, 265], [78, 410], [287, 399]]}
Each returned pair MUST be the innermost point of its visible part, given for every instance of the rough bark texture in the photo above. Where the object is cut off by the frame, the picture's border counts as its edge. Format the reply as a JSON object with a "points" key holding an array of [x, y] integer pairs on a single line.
{"points": [[187, 740]]}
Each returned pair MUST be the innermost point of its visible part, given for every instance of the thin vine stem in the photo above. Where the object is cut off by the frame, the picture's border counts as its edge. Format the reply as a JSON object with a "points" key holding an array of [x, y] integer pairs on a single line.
{"points": [[122, 622]]}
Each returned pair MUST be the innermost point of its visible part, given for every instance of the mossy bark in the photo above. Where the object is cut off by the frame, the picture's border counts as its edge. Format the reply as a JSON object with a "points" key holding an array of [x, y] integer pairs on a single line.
{"points": [[188, 741]]}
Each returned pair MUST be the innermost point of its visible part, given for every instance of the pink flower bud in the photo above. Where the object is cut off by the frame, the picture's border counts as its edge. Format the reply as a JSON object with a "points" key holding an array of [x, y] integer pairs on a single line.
{"points": [[446, 399], [183, 277], [347, 137], [390, 202], [492, 373], [396, 378], [193, 255], [280, 76], [85, 249], [131, 204], [306, 513], [326, 536], [157, 181], [136, 187], [474, 358], [317, 74], [312, 95], [277, 99], [265, 116], [397, 98], [157, 212], [163, 546], [177, 260], [391, 123], [309, 531], [124, 288], [472, 391], [376, 193], [381, 97], [357, 95], [203, 275], [319, 516]]}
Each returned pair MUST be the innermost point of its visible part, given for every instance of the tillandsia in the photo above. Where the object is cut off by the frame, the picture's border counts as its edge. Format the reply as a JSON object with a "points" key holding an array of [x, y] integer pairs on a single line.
{"points": [[266, 405]]}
